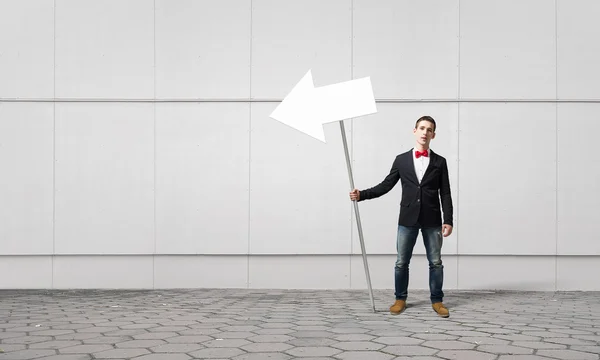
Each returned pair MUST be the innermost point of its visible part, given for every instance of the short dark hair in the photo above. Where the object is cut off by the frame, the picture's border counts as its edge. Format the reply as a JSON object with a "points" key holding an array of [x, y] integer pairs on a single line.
{"points": [[426, 118]]}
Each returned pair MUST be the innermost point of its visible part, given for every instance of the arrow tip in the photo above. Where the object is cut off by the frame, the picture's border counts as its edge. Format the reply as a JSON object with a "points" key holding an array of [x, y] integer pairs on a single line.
{"points": [[296, 109]]}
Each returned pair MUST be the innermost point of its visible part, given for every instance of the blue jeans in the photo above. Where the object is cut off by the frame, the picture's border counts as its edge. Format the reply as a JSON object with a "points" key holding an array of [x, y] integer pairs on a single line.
{"points": [[405, 243]]}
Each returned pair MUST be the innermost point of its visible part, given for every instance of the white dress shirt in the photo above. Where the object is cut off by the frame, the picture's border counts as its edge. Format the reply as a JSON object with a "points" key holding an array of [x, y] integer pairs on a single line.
{"points": [[421, 163]]}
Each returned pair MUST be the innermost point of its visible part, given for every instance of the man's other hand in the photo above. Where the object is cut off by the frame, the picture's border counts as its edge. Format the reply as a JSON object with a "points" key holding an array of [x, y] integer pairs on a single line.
{"points": [[446, 230], [354, 195]]}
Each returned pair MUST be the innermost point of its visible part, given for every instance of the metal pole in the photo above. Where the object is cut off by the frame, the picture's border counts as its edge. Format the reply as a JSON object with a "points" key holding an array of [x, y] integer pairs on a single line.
{"points": [[360, 232]]}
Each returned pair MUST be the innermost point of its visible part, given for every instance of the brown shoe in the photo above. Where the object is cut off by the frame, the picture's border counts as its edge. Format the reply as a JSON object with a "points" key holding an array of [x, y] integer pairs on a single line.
{"points": [[398, 307], [440, 309]]}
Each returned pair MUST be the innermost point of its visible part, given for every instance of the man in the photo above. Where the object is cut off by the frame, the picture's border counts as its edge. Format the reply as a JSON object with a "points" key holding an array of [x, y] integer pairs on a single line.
{"points": [[424, 178]]}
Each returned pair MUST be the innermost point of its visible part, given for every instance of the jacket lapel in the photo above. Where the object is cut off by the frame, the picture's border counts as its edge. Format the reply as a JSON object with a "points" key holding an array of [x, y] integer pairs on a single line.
{"points": [[432, 162], [410, 163]]}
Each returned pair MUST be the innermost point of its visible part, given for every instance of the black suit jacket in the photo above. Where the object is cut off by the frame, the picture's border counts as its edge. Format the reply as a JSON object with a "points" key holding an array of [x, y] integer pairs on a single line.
{"points": [[420, 203]]}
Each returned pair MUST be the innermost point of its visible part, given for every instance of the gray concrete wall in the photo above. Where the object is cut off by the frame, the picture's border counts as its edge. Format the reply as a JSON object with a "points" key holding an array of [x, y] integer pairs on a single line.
{"points": [[137, 151]]}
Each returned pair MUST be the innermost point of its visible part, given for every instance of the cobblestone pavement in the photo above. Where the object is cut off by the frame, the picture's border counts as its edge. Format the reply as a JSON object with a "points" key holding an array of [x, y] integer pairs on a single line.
{"points": [[279, 324]]}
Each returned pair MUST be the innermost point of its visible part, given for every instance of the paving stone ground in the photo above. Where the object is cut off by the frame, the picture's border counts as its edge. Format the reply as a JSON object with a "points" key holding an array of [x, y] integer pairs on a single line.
{"points": [[287, 324]]}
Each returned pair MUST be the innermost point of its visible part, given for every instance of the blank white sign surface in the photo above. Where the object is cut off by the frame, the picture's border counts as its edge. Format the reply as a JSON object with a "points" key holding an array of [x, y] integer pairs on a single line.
{"points": [[289, 37], [507, 49], [578, 179], [26, 183], [203, 48], [104, 49], [299, 200], [409, 48], [202, 180], [507, 180], [307, 108], [376, 141], [104, 178], [578, 49], [26, 49]]}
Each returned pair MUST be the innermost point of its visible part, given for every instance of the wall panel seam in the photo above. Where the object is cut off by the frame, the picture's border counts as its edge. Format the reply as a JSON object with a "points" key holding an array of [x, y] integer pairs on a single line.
{"points": [[249, 147], [556, 139], [275, 100], [154, 111], [579, 255], [458, 156], [351, 138], [53, 145]]}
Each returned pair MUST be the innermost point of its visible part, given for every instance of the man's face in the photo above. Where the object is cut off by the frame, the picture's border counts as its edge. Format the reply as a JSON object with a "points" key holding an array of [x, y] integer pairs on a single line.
{"points": [[424, 133]]}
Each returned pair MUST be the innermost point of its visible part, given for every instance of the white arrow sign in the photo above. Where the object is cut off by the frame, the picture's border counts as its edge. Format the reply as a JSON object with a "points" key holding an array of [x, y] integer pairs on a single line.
{"points": [[307, 108]]}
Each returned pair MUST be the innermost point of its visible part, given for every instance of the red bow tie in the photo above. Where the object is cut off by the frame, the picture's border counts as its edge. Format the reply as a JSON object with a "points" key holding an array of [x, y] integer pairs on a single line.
{"points": [[418, 154]]}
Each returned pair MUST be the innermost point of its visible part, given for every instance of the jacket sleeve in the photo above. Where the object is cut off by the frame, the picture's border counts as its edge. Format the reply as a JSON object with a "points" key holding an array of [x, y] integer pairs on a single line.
{"points": [[446, 196], [383, 187]]}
